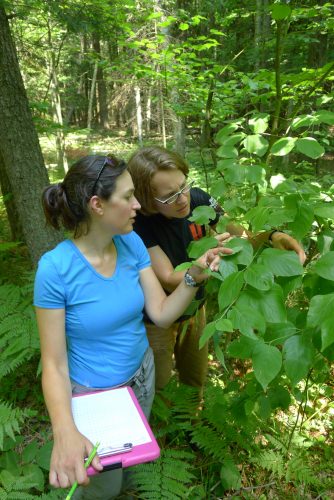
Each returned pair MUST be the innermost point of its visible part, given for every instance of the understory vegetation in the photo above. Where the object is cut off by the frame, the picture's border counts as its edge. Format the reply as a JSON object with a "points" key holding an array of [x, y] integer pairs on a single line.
{"points": [[265, 429]]}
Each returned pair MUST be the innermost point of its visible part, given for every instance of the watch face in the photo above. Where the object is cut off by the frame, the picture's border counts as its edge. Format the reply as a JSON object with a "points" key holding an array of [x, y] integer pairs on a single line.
{"points": [[189, 280]]}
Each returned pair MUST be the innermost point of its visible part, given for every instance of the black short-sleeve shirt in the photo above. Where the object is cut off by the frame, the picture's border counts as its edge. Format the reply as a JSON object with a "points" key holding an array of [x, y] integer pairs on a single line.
{"points": [[174, 235]]}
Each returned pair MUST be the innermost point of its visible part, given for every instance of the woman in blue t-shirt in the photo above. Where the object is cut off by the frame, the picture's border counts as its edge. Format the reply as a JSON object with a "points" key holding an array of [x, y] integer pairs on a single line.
{"points": [[89, 295]]}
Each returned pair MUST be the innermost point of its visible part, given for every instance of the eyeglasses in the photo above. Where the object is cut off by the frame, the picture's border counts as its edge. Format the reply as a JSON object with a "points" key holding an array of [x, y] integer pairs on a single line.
{"points": [[107, 161], [173, 199]]}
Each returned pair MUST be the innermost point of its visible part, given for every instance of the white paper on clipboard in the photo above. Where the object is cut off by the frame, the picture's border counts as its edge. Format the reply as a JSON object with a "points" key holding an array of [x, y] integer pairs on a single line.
{"points": [[109, 417]]}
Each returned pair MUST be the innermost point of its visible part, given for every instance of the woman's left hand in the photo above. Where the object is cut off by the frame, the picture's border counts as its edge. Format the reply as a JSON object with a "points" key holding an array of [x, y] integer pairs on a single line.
{"points": [[209, 260]]}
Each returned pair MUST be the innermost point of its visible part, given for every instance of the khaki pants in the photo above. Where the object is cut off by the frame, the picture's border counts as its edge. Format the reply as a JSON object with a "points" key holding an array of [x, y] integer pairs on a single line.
{"points": [[190, 361]]}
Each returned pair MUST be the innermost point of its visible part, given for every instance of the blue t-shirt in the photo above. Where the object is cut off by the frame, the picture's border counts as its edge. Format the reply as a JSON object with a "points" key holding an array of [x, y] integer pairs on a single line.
{"points": [[105, 333]]}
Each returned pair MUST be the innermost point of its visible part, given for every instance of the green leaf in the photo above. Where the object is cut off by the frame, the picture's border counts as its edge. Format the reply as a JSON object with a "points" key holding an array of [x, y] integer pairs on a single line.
{"points": [[208, 332], [302, 222], [228, 129], [263, 407], [242, 348], [227, 267], [298, 357], [325, 117], [259, 124], [281, 262], [44, 455], [310, 147], [230, 475], [243, 257], [259, 276], [324, 267], [34, 474], [30, 452], [183, 267], [283, 146], [218, 188], [227, 152], [325, 210], [279, 397], [203, 214], [277, 333], [224, 325], [231, 140], [199, 247], [320, 314], [255, 174], [280, 11], [247, 321], [230, 289], [184, 26], [303, 121], [258, 216], [256, 144], [234, 173], [270, 303], [267, 362]]}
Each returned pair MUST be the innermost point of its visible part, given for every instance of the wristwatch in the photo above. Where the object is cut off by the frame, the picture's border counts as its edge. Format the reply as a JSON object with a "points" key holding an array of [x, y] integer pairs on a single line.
{"points": [[189, 280]]}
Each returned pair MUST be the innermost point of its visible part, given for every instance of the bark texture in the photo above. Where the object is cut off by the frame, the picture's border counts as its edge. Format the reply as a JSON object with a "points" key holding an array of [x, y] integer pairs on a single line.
{"points": [[20, 150]]}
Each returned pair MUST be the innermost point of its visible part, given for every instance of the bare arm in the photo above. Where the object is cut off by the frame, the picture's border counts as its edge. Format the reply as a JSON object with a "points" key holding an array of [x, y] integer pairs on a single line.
{"points": [[278, 239], [164, 310], [164, 270], [70, 447]]}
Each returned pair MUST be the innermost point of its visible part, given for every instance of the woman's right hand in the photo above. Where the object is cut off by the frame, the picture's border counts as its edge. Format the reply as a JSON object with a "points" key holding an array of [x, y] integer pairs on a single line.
{"points": [[68, 457]]}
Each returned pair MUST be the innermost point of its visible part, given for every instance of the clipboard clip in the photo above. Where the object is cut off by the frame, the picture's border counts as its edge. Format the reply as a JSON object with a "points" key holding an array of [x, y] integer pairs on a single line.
{"points": [[107, 451]]}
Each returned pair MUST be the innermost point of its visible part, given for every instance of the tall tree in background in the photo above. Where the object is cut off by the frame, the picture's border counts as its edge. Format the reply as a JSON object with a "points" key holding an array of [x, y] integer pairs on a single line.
{"points": [[20, 152]]}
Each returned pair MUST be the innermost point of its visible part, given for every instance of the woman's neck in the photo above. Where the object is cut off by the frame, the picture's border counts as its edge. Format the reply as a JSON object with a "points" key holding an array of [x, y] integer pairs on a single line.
{"points": [[99, 251]]}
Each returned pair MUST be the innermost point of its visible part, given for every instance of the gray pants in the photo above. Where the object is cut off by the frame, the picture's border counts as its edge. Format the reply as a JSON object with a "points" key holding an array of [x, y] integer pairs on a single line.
{"points": [[108, 485]]}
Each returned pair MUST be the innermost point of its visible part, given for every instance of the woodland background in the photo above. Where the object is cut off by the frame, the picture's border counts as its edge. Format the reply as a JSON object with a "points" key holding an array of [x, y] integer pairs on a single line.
{"points": [[245, 91]]}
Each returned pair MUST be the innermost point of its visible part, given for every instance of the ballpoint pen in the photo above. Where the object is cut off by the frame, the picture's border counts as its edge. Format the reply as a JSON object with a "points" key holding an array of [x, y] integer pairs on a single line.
{"points": [[87, 464]]}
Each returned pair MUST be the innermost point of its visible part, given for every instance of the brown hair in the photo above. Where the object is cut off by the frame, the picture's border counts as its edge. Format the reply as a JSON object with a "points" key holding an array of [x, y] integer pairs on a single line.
{"points": [[143, 164], [66, 203]]}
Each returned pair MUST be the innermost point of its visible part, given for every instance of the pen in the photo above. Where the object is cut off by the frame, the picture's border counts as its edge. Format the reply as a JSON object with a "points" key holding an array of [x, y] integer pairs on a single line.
{"points": [[87, 464]]}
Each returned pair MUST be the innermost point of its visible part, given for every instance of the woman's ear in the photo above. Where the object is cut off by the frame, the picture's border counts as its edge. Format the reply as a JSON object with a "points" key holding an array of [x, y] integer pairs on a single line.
{"points": [[96, 205]]}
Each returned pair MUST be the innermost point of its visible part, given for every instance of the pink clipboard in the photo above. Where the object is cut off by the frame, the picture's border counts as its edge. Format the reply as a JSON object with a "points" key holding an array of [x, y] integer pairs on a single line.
{"points": [[147, 448]]}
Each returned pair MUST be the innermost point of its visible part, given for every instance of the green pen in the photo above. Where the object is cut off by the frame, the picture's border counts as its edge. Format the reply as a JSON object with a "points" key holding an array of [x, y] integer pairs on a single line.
{"points": [[87, 464]]}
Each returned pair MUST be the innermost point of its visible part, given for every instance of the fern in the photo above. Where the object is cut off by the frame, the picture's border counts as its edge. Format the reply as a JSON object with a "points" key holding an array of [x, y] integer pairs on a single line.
{"points": [[210, 441], [10, 420], [17, 486], [299, 471], [272, 461], [18, 332], [169, 477]]}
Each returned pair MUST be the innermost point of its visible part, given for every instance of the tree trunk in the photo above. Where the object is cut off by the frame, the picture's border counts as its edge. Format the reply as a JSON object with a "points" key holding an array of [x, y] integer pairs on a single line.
{"points": [[20, 150], [56, 105], [101, 87], [139, 117], [148, 109], [162, 117], [91, 97], [8, 198]]}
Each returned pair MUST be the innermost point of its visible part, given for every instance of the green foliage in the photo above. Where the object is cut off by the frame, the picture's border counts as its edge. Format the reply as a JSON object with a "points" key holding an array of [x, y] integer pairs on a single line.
{"points": [[168, 477], [18, 331]]}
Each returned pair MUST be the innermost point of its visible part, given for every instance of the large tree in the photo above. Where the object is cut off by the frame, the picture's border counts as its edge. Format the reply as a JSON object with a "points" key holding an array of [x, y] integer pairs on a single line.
{"points": [[20, 151]]}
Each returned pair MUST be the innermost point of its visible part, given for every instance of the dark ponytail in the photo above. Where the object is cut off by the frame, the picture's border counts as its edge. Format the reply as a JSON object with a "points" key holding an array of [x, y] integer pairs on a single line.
{"points": [[66, 204]]}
